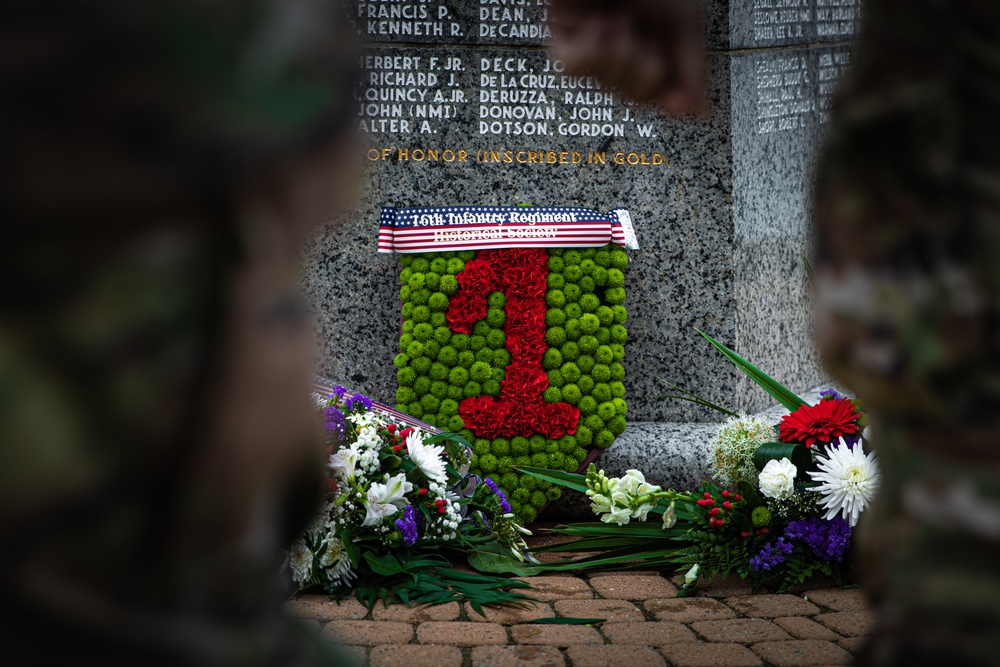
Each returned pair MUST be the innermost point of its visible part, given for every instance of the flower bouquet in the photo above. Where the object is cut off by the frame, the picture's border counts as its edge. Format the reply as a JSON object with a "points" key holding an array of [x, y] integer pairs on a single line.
{"points": [[782, 506], [399, 502]]}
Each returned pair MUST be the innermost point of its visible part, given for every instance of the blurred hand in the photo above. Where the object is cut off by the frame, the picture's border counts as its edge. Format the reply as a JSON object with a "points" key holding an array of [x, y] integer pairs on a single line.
{"points": [[650, 51]]}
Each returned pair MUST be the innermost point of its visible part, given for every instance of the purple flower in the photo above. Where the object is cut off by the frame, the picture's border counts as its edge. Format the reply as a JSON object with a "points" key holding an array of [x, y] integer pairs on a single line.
{"points": [[338, 390], [504, 505], [363, 400], [772, 555], [829, 540], [831, 394], [408, 526], [333, 421]]}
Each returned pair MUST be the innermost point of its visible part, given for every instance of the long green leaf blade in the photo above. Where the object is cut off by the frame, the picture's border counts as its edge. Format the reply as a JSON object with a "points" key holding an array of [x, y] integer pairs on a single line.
{"points": [[778, 391], [568, 480]]}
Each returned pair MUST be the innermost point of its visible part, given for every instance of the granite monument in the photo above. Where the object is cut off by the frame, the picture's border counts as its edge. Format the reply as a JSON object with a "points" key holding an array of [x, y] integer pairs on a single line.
{"points": [[460, 104]]}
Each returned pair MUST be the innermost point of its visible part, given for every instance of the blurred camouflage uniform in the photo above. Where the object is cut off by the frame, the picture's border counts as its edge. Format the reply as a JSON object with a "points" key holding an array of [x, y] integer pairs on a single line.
{"points": [[159, 447], [908, 271]]}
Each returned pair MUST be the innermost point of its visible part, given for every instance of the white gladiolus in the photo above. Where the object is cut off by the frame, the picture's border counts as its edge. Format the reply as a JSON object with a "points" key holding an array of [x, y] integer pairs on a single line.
{"points": [[669, 517]]}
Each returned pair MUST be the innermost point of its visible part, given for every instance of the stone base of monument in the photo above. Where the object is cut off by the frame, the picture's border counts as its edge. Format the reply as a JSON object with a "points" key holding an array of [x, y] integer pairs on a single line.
{"points": [[672, 455]]}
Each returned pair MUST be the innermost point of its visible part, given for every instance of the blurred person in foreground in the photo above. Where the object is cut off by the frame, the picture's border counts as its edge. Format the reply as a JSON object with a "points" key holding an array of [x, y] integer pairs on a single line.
{"points": [[163, 163], [907, 281]]}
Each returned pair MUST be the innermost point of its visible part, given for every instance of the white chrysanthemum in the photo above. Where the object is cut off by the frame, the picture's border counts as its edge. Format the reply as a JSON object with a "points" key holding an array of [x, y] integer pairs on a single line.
{"points": [[429, 459], [777, 479], [336, 561], [848, 479], [300, 560], [731, 453], [320, 521]]}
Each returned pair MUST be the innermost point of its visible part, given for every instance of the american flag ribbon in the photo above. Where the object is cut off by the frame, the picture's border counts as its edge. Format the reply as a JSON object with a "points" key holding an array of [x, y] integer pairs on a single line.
{"points": [[441, 228], [322, 387]]}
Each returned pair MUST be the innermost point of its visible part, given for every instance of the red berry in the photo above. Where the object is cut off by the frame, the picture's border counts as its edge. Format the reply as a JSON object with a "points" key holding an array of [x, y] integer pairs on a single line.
{"points": [[397, 448], [711, 522], [714, 511], [701, 502], [391, 428], [738, 498], [422, 492], [763, 531], [722, 522], [728, 505], [707, 494], [439, 502], [744, 535], [709, 502], [405, 432], [725, 494], [441, 509]]}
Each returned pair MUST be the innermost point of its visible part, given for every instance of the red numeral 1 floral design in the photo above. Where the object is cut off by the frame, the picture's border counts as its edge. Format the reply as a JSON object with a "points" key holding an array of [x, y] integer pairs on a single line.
{"points": [[520, 273]]}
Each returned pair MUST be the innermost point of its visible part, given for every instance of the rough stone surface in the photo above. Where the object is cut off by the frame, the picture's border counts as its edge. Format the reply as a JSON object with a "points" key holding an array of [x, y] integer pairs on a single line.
{"points": [[417, 614], [411, 655], [510, 615], [549, 588], [839, 599], [853, 644], [461, 634], [322, 608], [740, 630], [710, 655], [555, 635], [804, 628], [632, 587], [802, 652], [517, 656], [654, 633], [771, 606], [612, 611], [614, 656], [368, 633], [849, 623], [688, 610]]}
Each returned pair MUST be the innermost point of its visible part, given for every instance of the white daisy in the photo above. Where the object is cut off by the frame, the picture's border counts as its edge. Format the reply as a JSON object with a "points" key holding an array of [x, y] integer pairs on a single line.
{"points": [[849, 481], [429, 459]]}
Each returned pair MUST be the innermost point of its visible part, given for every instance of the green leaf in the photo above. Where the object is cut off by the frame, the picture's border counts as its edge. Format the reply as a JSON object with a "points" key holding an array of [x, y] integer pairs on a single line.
{"points": [[565, 620], [386, 564], [490, 562], [775, 451], [568, 480], [809, 269], [778, 391]]}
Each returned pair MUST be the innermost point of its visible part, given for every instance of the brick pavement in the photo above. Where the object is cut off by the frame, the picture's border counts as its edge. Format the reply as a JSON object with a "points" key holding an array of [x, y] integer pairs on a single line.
{"points": [[721, 625]]}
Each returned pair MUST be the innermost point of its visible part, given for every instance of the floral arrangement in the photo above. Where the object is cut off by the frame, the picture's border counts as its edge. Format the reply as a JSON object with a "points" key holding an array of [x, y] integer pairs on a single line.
{"points": [[783, 504], [518, 351], [399, 500]]}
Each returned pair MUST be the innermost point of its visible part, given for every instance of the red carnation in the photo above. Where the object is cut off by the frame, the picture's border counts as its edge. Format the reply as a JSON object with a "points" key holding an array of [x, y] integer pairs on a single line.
{"points": [[821, 422]]}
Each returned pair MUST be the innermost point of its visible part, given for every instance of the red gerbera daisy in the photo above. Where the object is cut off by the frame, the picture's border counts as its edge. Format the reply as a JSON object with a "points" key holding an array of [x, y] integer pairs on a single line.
{"points": [[821, 422]]}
